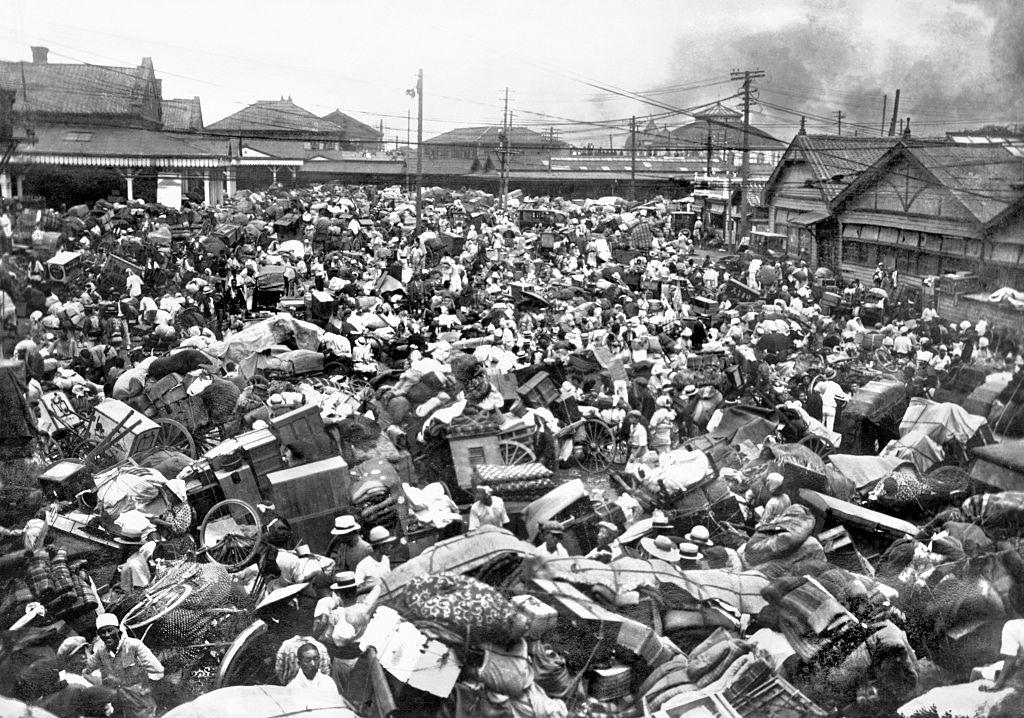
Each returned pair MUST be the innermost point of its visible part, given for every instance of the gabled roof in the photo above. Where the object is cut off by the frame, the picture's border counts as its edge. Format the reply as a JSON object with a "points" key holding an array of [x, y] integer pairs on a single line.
{"points": [[834, 161], [45, 88], [182, 115], [717, 111], [107, 141], [488, 136], [352, 128], [274, 116], [984, 178]]}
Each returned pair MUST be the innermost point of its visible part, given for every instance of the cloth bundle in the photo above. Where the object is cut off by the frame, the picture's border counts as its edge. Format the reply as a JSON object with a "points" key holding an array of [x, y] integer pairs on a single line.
{"points": [[780, 537], [466, 606], [807, 613], [549, 670], [1004, 510], [507, 669]]}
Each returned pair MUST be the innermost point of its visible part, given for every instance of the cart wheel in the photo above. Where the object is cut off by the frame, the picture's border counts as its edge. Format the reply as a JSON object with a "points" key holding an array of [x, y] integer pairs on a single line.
{"points": [[174, 435], [597, 450], [512, 452], [154, 607], [819, 446], [207, 437], [247, 662], [230, 534]]}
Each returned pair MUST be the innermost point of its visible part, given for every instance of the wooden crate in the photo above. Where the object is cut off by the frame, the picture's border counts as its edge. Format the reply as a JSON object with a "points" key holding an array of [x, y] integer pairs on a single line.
{"points": [[469, 451], [311, 495], [304, 429], [539, 390]]}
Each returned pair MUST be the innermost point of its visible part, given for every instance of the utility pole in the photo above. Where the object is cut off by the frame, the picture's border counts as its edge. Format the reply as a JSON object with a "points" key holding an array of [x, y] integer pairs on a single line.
{"points": [[408, 146], [707, 170], [632, 153], [503, 157], [839, 121], [747, 76], [419, 152], [895, 114], [885, 106]]}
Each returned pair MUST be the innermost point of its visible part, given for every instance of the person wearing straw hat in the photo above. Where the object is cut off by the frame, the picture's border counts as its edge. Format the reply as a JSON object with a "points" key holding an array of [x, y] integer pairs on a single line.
{"points": [[347, 547], [552, 546], [176, 522], [135, 571], [660, 547], [714, 556], [372, 569], [127, 664], [340, 618], [690, 557], [607, 548]]}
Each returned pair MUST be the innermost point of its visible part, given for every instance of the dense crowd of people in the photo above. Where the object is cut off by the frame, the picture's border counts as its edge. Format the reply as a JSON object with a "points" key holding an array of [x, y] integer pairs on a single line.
{"points": [[682, 336]]}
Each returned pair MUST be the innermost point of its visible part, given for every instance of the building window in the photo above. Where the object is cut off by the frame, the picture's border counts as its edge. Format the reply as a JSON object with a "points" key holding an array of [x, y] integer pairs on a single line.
{"points": [[77, 136], [307, 145]]}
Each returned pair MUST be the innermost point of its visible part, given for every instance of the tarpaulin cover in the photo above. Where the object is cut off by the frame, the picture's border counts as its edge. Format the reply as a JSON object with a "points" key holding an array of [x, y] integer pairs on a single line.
{"points": [[277, 329], [875, 399], [544, 508], [941, 422], [980, 400], [740, 423], [457, 555], [864, 470], [120, 490], [916, 447], [262, 702]]}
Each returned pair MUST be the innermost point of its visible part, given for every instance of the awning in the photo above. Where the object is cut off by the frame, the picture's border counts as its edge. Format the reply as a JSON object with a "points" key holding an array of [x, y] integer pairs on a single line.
{"points": [[808, 218]]}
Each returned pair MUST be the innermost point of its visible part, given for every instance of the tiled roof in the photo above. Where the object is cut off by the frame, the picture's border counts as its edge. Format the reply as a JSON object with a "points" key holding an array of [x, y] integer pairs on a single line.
{"points": [[274, 116], [76, 89], [368, 167], [182, 115], [726, 133], [986, 179], [488, 136], [838, 161], [352, 128]]}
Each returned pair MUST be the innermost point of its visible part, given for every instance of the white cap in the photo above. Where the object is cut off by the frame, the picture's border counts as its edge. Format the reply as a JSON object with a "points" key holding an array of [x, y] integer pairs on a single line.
{"points": [[107, 619]]}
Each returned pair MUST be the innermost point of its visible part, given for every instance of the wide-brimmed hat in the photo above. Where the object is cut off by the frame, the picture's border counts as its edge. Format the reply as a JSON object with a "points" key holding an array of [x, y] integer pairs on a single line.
{"points": [[380, 535], [345, 524], [699, 535], [689, 552], [661, 547], [345, 581], [135, 535]]}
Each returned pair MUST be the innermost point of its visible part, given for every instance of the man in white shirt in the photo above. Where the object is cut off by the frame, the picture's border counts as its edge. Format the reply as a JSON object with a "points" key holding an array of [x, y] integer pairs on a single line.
{"points": [[1012, 649], [372, 569], [487, 510], [831, 393], [309, 678], [552, 545]]}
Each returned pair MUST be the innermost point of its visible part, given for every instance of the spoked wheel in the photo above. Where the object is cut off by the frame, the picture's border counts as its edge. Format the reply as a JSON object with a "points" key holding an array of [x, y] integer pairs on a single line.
{"points": [[207, 437], [156, 605], [248, 661], [512, 452], [819, 446], [230, 534], [596, 447], [50, 449], [174, 435]]}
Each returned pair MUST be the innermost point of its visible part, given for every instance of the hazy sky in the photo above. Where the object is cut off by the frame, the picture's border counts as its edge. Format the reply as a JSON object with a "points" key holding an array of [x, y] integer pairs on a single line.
{"points": [[959, 62]]}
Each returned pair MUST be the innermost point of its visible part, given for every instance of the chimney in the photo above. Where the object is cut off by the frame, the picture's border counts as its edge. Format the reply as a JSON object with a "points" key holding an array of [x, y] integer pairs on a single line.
{"points": [[39, 54]]}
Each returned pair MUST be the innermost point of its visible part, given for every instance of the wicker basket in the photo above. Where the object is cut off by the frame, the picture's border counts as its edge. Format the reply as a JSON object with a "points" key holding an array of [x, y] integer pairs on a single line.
{"points": [[611, 683]]}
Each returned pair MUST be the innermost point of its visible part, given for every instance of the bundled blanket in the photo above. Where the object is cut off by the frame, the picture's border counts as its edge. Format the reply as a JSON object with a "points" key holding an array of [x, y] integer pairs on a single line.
{"points": [[779, 538], [465, 606]]}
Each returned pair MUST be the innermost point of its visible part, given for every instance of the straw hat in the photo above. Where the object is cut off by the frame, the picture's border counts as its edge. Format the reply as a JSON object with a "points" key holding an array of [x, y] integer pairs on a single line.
{"points": [[345, 581], [345, 524], [699, 535], [380, 536], [661, 547], [553, 527], [689, 552]]}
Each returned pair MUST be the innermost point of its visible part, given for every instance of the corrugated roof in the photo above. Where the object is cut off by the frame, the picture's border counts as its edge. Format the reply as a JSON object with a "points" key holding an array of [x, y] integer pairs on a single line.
{"points": [[73, 89], [274, 116], [352, 129], [488, 136], [364, 167], [726, 133], [182, 115], [121, 141]]}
